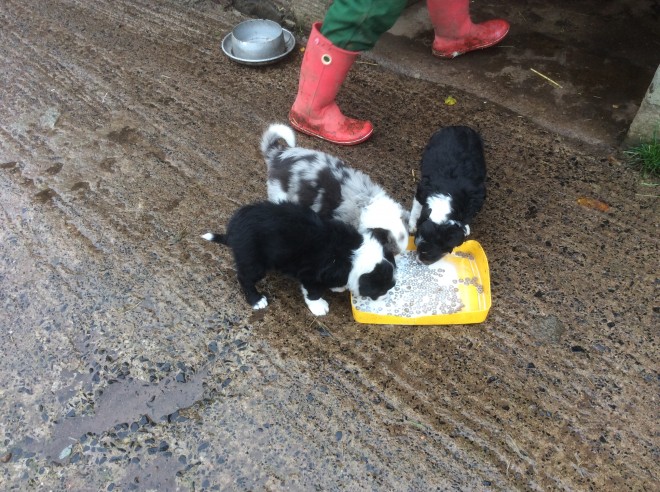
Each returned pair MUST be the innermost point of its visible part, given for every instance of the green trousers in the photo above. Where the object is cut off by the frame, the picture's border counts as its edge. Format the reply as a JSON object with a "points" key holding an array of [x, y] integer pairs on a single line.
{"points": [[356, 25]]}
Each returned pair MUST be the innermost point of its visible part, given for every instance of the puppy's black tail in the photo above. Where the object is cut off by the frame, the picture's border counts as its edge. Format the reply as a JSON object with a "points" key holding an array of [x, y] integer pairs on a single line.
{"points": [[270, 141], [215, 238]]}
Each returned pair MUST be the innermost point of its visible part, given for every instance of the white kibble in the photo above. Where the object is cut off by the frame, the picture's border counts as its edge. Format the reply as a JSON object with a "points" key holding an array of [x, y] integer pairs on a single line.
{"points": [[420, 290]]}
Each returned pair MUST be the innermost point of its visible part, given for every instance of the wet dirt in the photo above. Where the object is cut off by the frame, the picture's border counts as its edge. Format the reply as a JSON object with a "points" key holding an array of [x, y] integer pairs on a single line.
{"points": [[130, 359]]}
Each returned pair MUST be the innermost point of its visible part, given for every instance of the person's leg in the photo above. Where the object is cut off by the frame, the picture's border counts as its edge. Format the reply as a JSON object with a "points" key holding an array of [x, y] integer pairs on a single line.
{"points": [[348, 28], [356, 25], [455, 33]]}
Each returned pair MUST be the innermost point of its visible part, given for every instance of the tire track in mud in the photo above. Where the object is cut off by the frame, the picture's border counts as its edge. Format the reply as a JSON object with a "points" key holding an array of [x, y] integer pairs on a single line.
{"points": [[404, 406], [403, 415], [505, 448], [57, 69], [348, 417]]}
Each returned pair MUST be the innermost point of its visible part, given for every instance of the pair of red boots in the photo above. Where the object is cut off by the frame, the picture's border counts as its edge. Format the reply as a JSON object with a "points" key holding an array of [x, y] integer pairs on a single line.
{"points": [[325, 67]]}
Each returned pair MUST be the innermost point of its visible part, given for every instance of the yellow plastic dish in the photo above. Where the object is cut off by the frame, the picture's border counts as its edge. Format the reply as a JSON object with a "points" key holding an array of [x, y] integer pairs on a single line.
{"points": [[470, 263]]}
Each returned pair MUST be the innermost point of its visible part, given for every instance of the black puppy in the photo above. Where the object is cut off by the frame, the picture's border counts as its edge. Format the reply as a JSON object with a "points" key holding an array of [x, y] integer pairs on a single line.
{"points": [[295, 241], [450, 193]]}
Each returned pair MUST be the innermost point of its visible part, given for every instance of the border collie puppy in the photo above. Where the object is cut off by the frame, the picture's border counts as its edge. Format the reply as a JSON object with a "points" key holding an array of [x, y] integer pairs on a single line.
{"points": [[331, 188], [450, 193], [295, 241]]}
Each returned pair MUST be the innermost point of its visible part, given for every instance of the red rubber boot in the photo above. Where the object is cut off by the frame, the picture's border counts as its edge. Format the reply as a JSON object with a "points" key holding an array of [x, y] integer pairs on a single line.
{"points": [[314, 112], [455, 33]]}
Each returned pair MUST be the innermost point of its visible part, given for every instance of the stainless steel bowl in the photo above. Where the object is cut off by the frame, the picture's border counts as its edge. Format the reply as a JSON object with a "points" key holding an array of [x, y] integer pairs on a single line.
{"points": [[257, 39]]}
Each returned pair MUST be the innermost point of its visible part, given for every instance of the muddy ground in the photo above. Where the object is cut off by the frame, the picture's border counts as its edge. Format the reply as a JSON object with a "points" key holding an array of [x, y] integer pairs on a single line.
{"points": [[131, 361]]}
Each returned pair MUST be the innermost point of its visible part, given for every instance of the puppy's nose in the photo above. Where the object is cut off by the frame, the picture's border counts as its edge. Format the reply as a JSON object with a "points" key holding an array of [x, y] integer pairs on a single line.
{"points": [[427, 260]]}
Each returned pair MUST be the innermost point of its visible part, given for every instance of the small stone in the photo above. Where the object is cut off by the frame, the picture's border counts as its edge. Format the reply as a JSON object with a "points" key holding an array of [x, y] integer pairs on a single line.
{"points": [[66, 452]]}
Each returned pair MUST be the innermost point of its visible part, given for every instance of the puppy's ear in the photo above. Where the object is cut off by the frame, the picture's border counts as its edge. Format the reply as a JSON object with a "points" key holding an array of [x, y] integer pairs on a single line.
{"points": [[426, 213], [381, 235], [454, 236], [386, 239]]}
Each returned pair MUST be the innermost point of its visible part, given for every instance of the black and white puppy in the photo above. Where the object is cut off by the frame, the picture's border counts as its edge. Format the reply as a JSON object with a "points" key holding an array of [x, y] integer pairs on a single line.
{"points": [[450, 193], [295, 241], [331, 188]]}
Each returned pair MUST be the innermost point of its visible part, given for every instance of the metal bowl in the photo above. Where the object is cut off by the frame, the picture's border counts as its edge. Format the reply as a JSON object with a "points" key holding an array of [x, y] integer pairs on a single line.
{"points": [[257, 39]]}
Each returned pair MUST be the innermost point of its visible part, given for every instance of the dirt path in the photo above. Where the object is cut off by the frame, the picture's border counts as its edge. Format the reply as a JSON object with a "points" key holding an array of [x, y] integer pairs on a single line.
{"points": [[130, 360]]}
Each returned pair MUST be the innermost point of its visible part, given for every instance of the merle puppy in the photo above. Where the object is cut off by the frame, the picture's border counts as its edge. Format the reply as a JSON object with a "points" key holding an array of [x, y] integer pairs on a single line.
{"points": [[295, 241], [450, 193], [327, 185]]}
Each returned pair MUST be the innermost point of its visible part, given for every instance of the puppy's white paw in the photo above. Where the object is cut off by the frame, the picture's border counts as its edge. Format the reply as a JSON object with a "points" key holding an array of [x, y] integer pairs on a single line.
{"points": [[414, 216], [338, 289], [261, 303], [318, 307]]}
